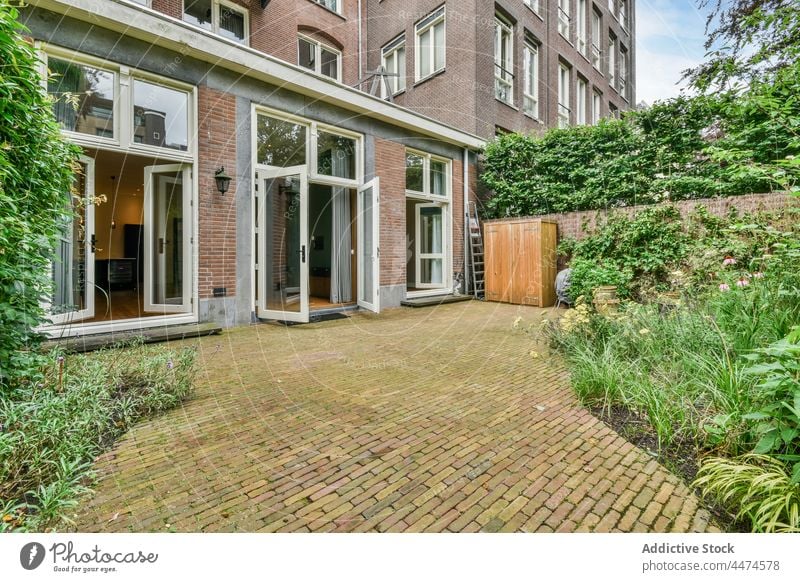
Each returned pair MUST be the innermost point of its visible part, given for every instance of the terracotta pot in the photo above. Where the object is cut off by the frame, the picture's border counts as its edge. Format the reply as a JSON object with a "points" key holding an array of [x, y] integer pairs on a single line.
{"points": [[605, 299]]}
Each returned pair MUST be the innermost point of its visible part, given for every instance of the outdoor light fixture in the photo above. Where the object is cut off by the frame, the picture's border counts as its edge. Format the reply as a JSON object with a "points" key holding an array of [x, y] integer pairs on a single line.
{"points": [[222, 179]]}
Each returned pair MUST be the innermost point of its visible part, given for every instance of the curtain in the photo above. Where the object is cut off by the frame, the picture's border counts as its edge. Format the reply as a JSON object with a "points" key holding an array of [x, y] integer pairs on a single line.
{"points": [[341, 276]]}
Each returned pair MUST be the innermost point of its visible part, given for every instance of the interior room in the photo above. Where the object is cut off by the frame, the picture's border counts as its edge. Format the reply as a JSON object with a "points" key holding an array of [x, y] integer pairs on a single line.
{"points": [[332, 260], [119, 236]]}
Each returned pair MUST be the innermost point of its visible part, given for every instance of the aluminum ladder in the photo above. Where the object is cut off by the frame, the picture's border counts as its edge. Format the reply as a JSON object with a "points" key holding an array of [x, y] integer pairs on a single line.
{"points": [[477, 266]]}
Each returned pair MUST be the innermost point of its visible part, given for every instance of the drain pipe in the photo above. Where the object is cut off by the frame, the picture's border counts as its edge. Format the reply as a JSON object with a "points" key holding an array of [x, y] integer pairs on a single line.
{"points": [[465, 164], [360, 62]]}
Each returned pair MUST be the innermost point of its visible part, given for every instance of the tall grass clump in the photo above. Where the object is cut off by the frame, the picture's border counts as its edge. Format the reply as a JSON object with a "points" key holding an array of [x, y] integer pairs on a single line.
{"points": [[715, 374], [53, 427]]}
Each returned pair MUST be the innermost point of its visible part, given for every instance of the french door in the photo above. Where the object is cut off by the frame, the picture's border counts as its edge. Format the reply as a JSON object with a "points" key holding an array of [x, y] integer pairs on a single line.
{"points": [[429, 240], [73, 264], [281, 244], [167, 239], [368, 240]]}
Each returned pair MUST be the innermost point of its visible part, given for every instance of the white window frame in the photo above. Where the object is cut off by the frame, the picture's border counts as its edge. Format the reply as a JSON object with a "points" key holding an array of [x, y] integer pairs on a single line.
{"points": [[580, 105], [581, 27], [318, 46], [215, 8], [612, 61], [503, 71], [533, 5], [124, 107], [563, 96], [564, 18], [337, 5], [422, 27], [446, 203], [596, 40], [398, 83], [597, 105], [622, 10], [530, 88], [623, 72]]}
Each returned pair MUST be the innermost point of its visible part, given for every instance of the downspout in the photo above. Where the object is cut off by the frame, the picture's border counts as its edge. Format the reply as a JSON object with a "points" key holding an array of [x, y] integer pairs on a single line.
{"points": [[360, 62], [466, 220]]}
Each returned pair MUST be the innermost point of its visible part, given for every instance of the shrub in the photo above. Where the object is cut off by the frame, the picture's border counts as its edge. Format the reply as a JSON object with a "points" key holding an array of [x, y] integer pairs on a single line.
{"points": [[53, 429], [36, 173]]}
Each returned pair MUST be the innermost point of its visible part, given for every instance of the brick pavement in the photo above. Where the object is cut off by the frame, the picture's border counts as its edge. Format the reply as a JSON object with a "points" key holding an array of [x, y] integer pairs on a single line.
{"points": [[414, 420]]}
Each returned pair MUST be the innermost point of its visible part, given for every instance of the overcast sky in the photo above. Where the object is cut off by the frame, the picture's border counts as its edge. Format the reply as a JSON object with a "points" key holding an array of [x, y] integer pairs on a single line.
{"points": [[670, 36]]}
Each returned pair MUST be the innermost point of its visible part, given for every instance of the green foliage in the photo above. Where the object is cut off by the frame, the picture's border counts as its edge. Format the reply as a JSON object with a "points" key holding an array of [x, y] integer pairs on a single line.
{"points": [[51, 431], [36, 174], [653, 155], [756, 487]]}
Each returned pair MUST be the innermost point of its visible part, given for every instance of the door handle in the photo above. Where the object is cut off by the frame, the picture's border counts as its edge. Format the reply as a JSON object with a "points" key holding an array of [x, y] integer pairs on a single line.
{"points": [[93, 243], [160, 246], [302, 253]]}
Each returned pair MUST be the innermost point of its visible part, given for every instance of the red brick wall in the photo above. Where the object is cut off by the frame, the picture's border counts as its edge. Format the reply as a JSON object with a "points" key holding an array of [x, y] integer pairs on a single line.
{"points": [[274, 30], [217, 212], [390, 166], [578, 224]]}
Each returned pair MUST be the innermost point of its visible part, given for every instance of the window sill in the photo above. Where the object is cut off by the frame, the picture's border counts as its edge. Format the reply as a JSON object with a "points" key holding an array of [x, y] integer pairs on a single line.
{"points": [[429, 77], [533, 118], [506, 103], [326, 9], [536, 12]]}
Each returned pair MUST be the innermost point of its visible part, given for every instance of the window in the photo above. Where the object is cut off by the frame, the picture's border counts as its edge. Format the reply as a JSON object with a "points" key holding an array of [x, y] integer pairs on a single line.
{"points": [[623, 13], [613, 110], [84, 97], [530, 98], [319, 58], [334, 5], [623, 72], [280, 142], [581, 23], [427, 175], [225, 19], [336, 155], [430, 44], [563, 96], [532, 4], [160, 116], [563, 18], [580, 96], [393, 57], [597, 104], [611, 7], [503, 61], [612, 60], [596, 42]]}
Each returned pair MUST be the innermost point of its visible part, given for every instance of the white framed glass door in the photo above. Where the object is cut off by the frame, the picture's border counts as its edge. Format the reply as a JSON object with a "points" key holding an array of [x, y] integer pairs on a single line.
{"points": [[167, 239], [429, 241], [72, 268], [367, 242], [282, 244]]}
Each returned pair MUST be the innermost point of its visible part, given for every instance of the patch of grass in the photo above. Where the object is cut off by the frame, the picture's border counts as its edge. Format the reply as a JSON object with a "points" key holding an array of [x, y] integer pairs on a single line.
{"points": [[53, 427]]}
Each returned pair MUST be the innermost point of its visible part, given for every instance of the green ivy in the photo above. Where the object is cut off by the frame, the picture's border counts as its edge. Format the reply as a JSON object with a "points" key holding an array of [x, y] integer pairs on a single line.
{"points": [[36, 174]]}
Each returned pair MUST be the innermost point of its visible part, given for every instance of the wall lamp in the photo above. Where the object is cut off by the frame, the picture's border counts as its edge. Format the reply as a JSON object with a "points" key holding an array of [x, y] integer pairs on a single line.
{"points": [[222, 179]]}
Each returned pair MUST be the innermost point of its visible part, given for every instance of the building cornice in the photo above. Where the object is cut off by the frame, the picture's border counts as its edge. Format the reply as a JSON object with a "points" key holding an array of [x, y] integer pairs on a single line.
{"points": [[145, 24]]}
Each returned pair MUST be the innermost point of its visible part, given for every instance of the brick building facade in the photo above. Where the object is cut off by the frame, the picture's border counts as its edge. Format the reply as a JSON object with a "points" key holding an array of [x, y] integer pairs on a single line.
{"points": [[335, 199]]}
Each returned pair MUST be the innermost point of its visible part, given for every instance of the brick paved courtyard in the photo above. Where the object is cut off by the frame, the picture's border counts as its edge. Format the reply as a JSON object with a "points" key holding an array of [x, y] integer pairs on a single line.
{"points": [[415, 420]]}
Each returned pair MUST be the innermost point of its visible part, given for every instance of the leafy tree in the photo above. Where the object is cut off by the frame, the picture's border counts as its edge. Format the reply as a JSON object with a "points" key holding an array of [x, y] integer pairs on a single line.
{"points": [[747, 40], [36, 176]]}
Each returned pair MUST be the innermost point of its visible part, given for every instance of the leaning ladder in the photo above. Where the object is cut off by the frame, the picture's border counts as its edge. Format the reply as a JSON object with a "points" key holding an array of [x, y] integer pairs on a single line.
{"points": [[476, 251]]}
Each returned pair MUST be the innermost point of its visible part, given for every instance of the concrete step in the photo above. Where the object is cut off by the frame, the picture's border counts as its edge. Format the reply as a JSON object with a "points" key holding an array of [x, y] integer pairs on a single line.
{"points": [[150, 335]]}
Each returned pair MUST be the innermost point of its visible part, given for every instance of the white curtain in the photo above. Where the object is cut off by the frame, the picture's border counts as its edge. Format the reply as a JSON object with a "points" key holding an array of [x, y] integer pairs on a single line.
{"points": [[341, 276]]}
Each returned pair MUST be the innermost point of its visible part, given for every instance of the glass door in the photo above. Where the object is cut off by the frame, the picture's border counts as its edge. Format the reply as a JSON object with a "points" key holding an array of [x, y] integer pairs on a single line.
{"points": [[430, 246], [73, 264], [167, 239], [367, 243], [282, 244]]}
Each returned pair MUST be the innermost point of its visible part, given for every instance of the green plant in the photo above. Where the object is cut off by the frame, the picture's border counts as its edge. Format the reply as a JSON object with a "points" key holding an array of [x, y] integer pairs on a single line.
{"points": [[52, 429], [757, 487], [36, 175]]}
